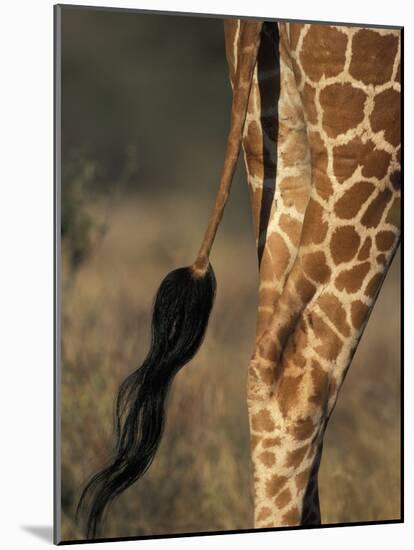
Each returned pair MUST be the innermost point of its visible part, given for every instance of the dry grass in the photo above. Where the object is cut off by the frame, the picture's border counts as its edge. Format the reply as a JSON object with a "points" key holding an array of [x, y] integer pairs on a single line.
{"points": [[200, 479]]}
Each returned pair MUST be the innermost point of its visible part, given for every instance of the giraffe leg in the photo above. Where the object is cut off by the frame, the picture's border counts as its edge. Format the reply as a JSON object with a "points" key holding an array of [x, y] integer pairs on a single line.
{"points": [[287, 434], [349, 235], [278, 165]]}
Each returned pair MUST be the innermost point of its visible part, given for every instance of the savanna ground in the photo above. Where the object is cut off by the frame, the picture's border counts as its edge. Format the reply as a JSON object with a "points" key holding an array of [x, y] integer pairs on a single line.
{"points": [[200, 479], [140, 165]]}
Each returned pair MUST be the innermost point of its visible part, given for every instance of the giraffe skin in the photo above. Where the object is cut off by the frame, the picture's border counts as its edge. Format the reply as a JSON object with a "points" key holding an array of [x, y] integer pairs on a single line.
{"points": [[332, 177], [275, 148]]}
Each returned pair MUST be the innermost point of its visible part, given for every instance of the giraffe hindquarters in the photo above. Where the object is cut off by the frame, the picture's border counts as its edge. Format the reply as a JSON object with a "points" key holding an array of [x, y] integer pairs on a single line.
{"points": [[350, 232]]}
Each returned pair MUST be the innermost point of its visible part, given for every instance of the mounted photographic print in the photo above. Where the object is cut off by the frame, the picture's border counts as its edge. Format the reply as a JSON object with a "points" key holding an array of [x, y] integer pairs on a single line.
{"points": [[228, 212]]}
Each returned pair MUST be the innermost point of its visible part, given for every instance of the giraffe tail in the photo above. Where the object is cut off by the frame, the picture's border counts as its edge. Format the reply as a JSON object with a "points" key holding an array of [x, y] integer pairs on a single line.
{"points": [[181, 312]]}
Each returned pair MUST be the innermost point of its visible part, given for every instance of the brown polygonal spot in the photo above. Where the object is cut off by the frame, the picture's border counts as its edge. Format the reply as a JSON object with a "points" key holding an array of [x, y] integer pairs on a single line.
{"points": [[280, 254], [283, 498], [308, 94], [267, 458], [314, 228], [302, 429], [330, 343], [264, 513], [320, 382], [347, 158], [375, 209], [358, 313], [302, 479], [365, 249], [254, 441], [322, 184], [351, 280], [291, 227], [271, 442], [351, 201], [373, 56], [323, 52], [373, 285], [335, 312], [293, 354], [381, 259], [387, 115], [315, 267], [287, 392], [266, 266], [267, 376], [343, 108], [385, 240], [294, 458], [376, 164], [345, 242], [262, 421], [305, 289], [267, 348], [294, 33], [291, 517], [274, 485]]}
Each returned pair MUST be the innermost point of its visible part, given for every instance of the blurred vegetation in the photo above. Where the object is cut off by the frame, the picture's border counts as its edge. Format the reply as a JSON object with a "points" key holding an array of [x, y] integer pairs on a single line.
{"points": [[200, 479], [145, 111], [136, 86], [145, 103], [79, 229]]}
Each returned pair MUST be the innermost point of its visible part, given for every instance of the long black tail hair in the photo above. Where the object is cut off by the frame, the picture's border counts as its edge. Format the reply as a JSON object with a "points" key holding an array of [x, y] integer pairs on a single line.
{"points": [[180, 316]]}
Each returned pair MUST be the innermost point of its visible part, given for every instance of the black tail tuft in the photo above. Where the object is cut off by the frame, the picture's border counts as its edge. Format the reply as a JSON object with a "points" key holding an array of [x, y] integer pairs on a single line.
{"points": [[181, 311]]}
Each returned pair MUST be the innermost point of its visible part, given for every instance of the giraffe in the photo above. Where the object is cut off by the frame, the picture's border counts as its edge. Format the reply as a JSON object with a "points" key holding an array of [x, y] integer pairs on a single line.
{"points": [[322, 150], [316, 109]]}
